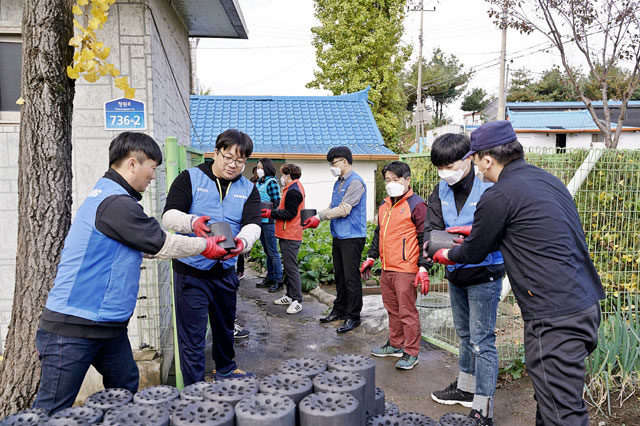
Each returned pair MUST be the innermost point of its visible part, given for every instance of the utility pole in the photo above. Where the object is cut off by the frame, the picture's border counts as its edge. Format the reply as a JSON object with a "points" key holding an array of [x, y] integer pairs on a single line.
{"points": [[503, 60], [193, 47], [421, 116], [419, 106]]}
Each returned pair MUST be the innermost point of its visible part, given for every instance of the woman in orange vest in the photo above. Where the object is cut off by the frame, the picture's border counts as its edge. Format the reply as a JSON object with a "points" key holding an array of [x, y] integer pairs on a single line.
{"points": [[397, 240], [289, 233]]}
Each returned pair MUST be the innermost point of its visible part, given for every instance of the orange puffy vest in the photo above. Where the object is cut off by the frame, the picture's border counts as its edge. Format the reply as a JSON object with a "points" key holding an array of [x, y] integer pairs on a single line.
{"points": [[398, 239], [290, 229]]}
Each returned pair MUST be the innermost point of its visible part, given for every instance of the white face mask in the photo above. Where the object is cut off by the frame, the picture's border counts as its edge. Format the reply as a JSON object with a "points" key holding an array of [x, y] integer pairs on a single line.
{"points": [[395, 189], [453, 176], [260, 173], [336, 171], [480, 174], [282, 181]]}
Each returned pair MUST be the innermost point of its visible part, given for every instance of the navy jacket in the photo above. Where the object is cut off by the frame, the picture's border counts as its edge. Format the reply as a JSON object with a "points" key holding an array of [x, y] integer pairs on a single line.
{"points": [[531, 216]]}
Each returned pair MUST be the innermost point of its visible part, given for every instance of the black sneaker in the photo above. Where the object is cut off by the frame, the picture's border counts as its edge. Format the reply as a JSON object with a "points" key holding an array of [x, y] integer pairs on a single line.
{"points": [[451, 395], [239, 332], [480, 419], [265, 283]]}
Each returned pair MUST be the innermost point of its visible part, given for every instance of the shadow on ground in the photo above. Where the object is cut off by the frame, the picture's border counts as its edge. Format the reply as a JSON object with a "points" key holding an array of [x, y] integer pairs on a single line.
{"points": [[276, 336]]}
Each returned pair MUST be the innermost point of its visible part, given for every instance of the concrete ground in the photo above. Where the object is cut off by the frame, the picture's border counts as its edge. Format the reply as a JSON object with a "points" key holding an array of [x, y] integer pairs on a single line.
{"points": [[276, 336]]}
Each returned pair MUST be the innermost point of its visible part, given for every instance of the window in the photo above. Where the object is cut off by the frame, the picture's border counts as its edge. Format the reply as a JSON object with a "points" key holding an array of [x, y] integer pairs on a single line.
{"points": [[561, 143], [597, 137], [10, 72]]}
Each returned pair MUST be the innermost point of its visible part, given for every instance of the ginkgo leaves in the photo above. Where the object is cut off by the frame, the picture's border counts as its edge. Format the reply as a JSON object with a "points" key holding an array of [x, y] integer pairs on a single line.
{"points": [[90, 57]]}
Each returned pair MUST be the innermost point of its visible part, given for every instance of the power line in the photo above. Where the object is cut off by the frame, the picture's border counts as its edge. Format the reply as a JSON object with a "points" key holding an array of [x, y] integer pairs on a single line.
{"points": [[175, 80], [285, 46]]}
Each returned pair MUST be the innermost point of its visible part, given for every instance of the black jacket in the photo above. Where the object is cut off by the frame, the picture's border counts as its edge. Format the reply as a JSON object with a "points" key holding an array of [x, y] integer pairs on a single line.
{"points": [[531, 215]]}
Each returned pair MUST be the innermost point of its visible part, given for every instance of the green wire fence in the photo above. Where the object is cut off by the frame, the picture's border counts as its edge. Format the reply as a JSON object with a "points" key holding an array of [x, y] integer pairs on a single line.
{"points": [[609, 206], [608, 203], [155, 325]]}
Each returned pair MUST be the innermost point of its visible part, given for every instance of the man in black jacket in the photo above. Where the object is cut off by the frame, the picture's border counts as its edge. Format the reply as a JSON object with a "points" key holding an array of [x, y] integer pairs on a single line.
{"points": [[530, 214]]}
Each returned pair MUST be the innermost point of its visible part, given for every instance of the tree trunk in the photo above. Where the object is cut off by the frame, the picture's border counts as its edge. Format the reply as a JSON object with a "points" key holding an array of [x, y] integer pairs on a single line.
{"points": [[44, 188]]}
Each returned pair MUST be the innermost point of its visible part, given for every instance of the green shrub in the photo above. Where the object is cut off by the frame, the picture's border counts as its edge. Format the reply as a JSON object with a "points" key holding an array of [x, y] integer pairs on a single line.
{"points": [[315, 256], [609, 207], [615, 363]]}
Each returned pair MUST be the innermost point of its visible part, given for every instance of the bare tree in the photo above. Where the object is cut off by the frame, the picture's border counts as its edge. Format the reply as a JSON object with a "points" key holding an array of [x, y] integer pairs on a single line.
{"points": [[44, 188], [606, 32]]}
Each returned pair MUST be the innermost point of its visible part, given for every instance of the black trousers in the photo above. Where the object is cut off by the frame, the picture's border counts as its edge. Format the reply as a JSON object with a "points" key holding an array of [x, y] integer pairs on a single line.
{"points": [[347, 254], [289, 250], [555, 349], [196, 300], [240, 263]]}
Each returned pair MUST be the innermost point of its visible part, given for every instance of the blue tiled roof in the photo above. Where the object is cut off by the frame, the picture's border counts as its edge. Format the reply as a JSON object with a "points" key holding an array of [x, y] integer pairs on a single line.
{"points": [[289, 124], [565, 104], [552, 120]]}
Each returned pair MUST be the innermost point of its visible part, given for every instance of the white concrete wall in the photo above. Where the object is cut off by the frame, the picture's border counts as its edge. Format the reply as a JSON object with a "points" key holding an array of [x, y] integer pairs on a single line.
{"points": [[136, 51], [10, 13], [8, 223], [628, 140], [10, 18], [318, 183]]}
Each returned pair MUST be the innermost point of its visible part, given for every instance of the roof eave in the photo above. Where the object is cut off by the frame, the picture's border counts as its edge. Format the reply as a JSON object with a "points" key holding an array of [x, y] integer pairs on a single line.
{"points": [[323, 157], [212, 18], [596, 130]]}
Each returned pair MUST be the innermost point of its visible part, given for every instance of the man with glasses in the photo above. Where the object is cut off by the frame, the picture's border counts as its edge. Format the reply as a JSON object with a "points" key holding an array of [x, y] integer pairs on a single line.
{"points": [[348, 215], [209, 193]]}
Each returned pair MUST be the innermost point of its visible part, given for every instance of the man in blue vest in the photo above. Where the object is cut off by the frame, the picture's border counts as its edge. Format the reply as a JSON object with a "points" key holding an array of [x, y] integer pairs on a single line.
{"points": [[348, 215], [85, 319], [474, 289], [210, 193], [531, 215]]}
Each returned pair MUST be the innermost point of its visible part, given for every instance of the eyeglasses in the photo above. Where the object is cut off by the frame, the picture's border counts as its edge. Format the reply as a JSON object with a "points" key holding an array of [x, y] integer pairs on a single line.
{"points": [[227, 159], [333, 163]]}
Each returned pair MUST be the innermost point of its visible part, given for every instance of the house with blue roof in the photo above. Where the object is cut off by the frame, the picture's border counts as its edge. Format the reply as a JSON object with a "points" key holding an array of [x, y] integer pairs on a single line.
{"points": [[300, 130], [568, 124]]}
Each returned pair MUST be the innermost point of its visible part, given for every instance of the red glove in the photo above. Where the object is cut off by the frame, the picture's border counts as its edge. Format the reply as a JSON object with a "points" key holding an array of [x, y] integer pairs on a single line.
{"points": [[199, 226], [235, 251], [422, 278], [438, 257], [462, 230], [266, 213], [365, 269], [312, 222], [213, 250]]}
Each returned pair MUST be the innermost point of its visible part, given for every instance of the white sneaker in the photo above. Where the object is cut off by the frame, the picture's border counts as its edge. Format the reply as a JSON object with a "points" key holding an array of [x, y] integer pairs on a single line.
{"points": [[284, 300], [294, 307]]}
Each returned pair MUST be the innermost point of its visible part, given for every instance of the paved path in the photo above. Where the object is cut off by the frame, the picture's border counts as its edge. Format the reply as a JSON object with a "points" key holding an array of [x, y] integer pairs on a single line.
{"points": [[276, 336]]}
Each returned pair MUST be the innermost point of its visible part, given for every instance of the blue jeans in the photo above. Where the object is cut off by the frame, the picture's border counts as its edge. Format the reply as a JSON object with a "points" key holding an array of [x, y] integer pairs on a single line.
{"points": [[270, 247], [474, 311], [65, 361]]}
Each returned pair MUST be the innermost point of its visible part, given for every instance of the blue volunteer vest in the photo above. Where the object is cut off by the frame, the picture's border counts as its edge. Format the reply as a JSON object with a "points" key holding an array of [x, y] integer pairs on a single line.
{"points": [[452, 218], [264, 195], [353, 225], [206, 202], [97, 276]]}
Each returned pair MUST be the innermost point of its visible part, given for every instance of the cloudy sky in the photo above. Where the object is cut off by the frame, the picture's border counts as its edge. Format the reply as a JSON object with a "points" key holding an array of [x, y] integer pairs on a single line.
{"points": [[278, 58]]}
